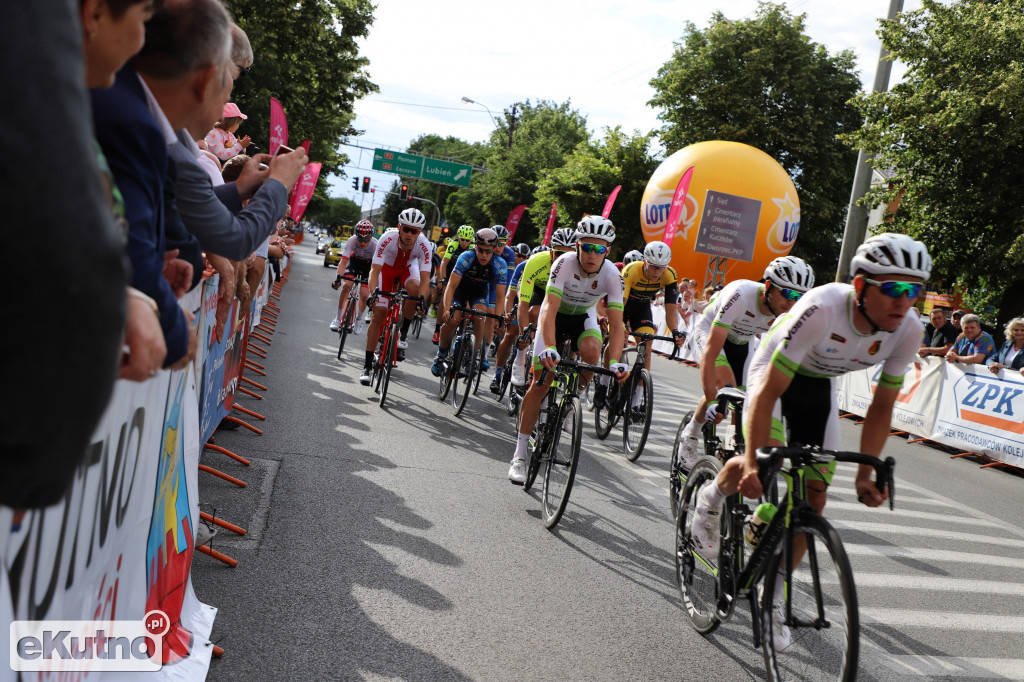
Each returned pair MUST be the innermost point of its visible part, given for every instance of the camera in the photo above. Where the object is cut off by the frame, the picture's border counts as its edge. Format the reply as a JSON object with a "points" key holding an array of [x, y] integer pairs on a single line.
{"points": [[253, 150]]}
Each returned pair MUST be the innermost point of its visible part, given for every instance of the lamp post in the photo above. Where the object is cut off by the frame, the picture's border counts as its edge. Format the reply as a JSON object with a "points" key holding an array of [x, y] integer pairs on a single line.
{"points": [[472, 101]]}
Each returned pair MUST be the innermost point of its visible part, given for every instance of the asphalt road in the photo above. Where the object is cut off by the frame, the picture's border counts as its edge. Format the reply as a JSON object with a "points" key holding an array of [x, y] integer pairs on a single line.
{"points": [[389, 544]]}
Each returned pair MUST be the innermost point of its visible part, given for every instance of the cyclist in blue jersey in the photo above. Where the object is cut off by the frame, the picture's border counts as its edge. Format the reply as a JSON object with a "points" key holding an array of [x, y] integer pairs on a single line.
{"points": [[522, 253]]}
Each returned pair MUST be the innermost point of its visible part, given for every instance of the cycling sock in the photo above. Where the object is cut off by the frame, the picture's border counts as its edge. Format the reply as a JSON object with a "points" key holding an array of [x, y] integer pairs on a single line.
{"points": [[522, 446], [442, 351], [602, 380], [405, 327], [497, 374], [638, 394], [711, 495], [780, 585], [692, 429], [437, 328], [368, 362]]}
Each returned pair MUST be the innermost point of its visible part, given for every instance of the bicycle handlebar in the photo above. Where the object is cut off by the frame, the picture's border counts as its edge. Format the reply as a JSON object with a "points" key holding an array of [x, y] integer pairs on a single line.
{"points": [[473, 312], [769, 458], [653, 337]]}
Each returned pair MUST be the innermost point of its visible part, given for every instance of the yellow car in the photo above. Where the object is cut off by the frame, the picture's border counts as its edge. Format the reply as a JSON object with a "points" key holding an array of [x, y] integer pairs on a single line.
{"points": [[333, 254]]}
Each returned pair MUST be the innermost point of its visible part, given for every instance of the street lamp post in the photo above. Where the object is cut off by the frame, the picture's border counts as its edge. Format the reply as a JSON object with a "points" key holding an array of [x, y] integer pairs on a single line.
{"points": [[472, 101]]}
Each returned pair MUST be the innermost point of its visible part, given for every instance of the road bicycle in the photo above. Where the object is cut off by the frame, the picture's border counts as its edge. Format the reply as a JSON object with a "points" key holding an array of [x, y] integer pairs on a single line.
{"points": [[351, 308], [385, 356], [721, 447], [521, 345], [462, 368], [417, 321], [818, 599], [555, 443], [620, 398]]}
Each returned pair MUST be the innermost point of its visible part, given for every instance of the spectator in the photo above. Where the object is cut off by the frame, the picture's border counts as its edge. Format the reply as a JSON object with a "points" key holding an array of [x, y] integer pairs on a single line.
{"points": [[973, 346], [221, 139], [939, 334], [955, 319], [1011, 355], [57, 391]]}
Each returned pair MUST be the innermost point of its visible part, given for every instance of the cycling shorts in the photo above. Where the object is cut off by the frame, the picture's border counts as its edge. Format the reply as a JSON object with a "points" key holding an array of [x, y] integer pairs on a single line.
{"points": [[807, 414], [388, 275], [359, 269], [537, 297], [469, 293], [734, 356], [637, 314], [492, 295], [574, 328]]}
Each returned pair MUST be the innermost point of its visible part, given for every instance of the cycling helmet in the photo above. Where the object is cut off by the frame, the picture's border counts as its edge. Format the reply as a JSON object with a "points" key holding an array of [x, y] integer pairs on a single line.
{"points": [[892, 254], [632, 256], [597, 227], [364, 229], [466, 232], [790, 272], [538, 249], [412, 217], [501, 232], [486, 237], [522, 250], [657, 254], [563, 237]]}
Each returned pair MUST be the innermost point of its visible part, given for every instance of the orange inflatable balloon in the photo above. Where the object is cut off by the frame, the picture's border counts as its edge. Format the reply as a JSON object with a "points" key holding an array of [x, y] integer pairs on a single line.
{"points": [[741, 206]]}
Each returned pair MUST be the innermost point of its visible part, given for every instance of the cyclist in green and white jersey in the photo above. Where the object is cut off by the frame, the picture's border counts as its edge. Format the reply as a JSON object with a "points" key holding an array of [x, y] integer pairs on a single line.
{"points": [[834, 329]]}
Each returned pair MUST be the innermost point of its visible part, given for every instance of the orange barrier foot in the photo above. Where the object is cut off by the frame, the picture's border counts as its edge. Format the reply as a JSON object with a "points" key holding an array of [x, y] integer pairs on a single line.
{"points": [[258, 371], [245, 424], [220, 557], [248, 392], [217, 651], [253, 383], [222, 523], [219, 474], [255, 350], [256, 364], [249, 412], [255, 334], [225, 451]]}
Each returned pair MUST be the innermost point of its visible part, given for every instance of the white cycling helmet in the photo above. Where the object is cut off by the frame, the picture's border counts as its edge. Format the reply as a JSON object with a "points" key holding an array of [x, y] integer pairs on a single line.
{"points": [[501, 231], [892, 254], [790, 272], [412, 217], [597, 227], [657, 254], [632, 256], [538, 249], [563, 236]]}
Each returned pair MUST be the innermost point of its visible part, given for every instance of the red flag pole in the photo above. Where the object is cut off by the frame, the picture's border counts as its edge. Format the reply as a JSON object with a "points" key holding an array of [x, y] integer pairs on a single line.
{"points": [[675, 211], [551, 224]]}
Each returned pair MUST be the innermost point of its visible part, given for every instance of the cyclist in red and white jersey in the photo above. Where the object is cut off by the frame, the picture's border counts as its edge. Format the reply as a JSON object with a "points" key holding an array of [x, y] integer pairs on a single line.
{"points": [[356, 260], [403, 256]]}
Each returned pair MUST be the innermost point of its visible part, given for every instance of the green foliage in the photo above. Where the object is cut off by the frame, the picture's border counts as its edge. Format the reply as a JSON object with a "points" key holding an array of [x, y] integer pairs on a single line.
{"points": [[307, 57], [333, 211], [950, 133], [763, 82]]}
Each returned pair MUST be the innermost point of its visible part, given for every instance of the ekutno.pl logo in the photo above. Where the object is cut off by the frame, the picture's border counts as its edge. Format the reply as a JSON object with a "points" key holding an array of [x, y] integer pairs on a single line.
{"points": [[87, 645]]}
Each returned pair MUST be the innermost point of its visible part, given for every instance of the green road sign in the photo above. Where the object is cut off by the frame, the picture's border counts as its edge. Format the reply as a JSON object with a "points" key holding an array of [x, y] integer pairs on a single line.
{"points": [[446, 172], [413, 166]]}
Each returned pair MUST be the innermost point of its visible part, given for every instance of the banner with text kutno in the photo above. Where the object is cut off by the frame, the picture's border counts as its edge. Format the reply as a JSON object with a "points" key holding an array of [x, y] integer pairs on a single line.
{"points": [[982, 412]]}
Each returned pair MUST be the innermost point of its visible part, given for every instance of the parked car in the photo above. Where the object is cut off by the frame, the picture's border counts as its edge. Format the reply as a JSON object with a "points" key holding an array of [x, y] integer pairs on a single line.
{"points": [[333, 254], [322, 243]]}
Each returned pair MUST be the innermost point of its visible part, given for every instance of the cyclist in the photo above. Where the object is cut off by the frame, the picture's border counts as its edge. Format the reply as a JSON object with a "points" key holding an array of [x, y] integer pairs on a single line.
{"points": [[532, 286], [641, 280], [834, 329], [632, 256], [402, 255], [723, 332], [455, 248], [522, 252], [509, 256], [475, 275], [577, 282], [356, 259]]}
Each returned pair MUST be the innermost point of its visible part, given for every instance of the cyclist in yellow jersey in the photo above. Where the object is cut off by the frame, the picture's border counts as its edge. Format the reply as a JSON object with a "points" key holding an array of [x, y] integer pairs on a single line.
{"points": [[453, 249]]}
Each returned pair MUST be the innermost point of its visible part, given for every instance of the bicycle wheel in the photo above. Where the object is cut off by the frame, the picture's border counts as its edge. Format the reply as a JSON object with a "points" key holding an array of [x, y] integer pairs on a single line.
{"points": [[506, 378], [464, 372], [825, 625], [606, 417], [637, 422], [417, 324], [389, 357], [478, 368], [676, 473], [446, 380], [345, 324], [562, 457], [533, 465], [378, 365], [697, 576]]}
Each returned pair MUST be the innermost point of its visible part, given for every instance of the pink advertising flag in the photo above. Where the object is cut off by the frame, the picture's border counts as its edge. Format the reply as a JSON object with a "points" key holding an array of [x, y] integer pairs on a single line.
{"points": [[513, 220], [551, 224], [278, 126], [305, 145], [675, 211], [611, 202], [303, 191]]}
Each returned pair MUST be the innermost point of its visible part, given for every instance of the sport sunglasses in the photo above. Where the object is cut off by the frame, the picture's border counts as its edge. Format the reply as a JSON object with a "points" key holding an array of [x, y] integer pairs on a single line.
{"points": [[410, 230], [598, 249], [791, 294], [897, 289]]}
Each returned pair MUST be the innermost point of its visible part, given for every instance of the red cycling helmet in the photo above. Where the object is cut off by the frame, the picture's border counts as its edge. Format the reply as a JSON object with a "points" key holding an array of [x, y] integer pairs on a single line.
{"points": [[364, 230]]}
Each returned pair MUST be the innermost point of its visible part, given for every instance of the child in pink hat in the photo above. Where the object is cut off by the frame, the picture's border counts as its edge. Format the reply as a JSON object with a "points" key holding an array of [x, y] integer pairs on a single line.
{"points": [[222, 140]]}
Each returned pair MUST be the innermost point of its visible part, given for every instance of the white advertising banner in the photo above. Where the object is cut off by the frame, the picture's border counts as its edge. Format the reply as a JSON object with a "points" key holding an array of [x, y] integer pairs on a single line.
{"points": [[982, 412]]}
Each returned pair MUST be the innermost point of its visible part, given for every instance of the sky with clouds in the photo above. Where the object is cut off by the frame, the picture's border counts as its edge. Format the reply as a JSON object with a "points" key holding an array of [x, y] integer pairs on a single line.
{"points": [[425, 55]]}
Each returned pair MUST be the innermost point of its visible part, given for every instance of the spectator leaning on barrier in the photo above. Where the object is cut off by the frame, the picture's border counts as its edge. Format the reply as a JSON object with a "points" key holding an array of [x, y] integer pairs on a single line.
{"points": [[1011, 355], [973, 346], [939, 334], [955, 319]]}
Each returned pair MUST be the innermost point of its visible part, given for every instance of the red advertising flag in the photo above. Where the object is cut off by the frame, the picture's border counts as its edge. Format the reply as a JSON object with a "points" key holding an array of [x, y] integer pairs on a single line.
{"points": [[303, 190], [305, 145], [278, 126], [611, 202], [551, 224], [513, 220], [675, 211]]}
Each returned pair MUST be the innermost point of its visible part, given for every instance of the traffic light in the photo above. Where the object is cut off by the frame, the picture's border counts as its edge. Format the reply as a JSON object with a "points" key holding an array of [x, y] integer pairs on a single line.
{"points": [[446, 231], [355, 184], [404, 193], [366, 184]]}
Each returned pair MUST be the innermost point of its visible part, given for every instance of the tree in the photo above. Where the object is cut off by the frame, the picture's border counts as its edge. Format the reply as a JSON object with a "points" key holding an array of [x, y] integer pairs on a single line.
{"points": [[334, 211], [763, 82], [950, 133], [307, 57]]}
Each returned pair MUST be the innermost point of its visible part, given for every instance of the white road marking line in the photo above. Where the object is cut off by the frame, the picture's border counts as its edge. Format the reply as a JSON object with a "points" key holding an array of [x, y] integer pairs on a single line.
{"points": [[936, 555]]}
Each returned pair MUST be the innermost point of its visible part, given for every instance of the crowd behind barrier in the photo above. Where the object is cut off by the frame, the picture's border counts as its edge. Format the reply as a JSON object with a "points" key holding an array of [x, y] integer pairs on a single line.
{"points": [[128, 524], [966, 407]]}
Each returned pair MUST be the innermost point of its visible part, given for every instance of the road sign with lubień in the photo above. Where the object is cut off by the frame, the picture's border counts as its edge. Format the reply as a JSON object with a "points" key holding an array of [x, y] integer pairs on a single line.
{"points": [[414, 166]]}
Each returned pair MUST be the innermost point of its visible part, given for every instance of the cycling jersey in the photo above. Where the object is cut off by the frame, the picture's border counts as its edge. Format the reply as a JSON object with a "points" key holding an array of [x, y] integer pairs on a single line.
{"points": [[636, 285], [736, 308], [454, 250], [535, 275], [578, 292], [494, 272], [517, 275], [359, 256], [405, 266], [509, 256]]}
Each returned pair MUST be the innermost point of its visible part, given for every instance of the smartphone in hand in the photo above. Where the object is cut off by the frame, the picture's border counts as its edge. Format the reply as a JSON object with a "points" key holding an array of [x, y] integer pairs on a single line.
{"points": [[283, 150]]}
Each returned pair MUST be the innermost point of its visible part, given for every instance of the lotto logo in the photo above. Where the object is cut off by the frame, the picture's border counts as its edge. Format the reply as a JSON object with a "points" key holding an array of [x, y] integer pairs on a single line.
{"points": [[991, 402]]}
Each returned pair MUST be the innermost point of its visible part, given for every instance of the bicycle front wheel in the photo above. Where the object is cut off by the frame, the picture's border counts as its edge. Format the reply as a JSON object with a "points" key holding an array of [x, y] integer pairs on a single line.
{"points": [[637, 422], [676, 471], [463, 373], [478, 368], [696, 574], [345, 324], [605, 418], [389, 360], [820, 638], [562, 457]]}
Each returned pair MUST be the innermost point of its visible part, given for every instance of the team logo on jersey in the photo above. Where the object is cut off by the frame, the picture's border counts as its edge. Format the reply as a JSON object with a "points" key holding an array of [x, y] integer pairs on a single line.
{"points": [[594, 285], [837, 338], [749, 314], [874, 348]]}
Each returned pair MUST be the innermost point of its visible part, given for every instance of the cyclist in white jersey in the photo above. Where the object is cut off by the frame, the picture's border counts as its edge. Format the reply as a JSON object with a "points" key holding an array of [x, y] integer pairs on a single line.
{"points": [[723, 332], [356, 260], [577, 282], [834, 329]]}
